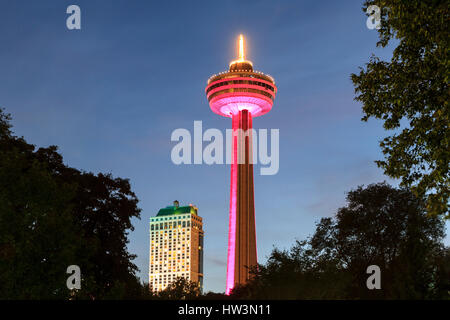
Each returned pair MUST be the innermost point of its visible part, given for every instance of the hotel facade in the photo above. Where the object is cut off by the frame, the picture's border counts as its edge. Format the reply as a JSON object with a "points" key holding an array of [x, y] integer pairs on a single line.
{"points": [[176, 246]]}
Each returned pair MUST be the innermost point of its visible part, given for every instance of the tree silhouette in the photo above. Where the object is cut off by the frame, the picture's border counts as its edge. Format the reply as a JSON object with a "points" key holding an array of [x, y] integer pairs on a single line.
{"points": [[180, 289], [37, 235], [52, 216], [380, 225]]}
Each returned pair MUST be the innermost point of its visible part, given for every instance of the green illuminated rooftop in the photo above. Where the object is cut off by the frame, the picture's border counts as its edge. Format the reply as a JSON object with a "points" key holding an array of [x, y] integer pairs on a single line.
{"points": [[176, 209]]}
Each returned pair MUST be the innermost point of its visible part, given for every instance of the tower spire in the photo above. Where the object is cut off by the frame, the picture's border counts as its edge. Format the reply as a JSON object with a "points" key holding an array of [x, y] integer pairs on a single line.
{"points": [[240, 63], [241, 48]]}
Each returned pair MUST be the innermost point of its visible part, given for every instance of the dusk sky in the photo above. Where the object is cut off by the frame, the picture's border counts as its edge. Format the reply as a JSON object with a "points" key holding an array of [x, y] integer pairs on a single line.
{"points": [[110, 95]]}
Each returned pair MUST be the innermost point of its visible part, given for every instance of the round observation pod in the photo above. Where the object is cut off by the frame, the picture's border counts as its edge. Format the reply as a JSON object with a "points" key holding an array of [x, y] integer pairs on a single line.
{"points": [[241, 88]]}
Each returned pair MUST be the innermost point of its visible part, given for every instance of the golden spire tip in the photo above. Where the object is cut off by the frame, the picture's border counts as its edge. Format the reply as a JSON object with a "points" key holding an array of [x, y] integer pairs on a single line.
{"points": [[241, 48]]}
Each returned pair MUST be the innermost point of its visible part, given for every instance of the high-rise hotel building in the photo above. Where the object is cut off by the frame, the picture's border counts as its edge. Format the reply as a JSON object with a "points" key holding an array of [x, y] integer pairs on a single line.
{"points": [[176, 246]]}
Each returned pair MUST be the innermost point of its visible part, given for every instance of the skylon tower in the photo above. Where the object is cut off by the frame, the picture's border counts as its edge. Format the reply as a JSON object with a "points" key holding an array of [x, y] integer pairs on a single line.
{"points": [[241, 94]]}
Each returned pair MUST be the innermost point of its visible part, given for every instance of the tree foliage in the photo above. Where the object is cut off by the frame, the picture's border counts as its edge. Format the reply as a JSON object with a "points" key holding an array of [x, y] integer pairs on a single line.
{"points": [[53, 216], [410, 94], [37, 235], [380, 225], [180, 289]]}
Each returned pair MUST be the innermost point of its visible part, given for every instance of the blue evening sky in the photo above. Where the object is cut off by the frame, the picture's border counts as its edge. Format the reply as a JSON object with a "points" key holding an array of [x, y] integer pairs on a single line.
{"points": [[110, 95]]}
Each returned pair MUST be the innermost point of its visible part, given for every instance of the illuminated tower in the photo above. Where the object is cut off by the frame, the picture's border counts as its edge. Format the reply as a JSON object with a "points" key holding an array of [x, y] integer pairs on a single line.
{"points": [[241, 94]]}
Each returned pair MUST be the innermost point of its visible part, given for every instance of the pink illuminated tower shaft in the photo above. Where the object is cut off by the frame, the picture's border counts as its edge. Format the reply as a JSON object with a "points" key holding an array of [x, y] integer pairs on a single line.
{"points": [[242, 252], [241, 94]]}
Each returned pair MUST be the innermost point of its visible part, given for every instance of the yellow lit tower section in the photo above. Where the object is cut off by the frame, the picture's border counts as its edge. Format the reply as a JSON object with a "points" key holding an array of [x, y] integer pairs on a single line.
{"points": [[176, 246]]}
